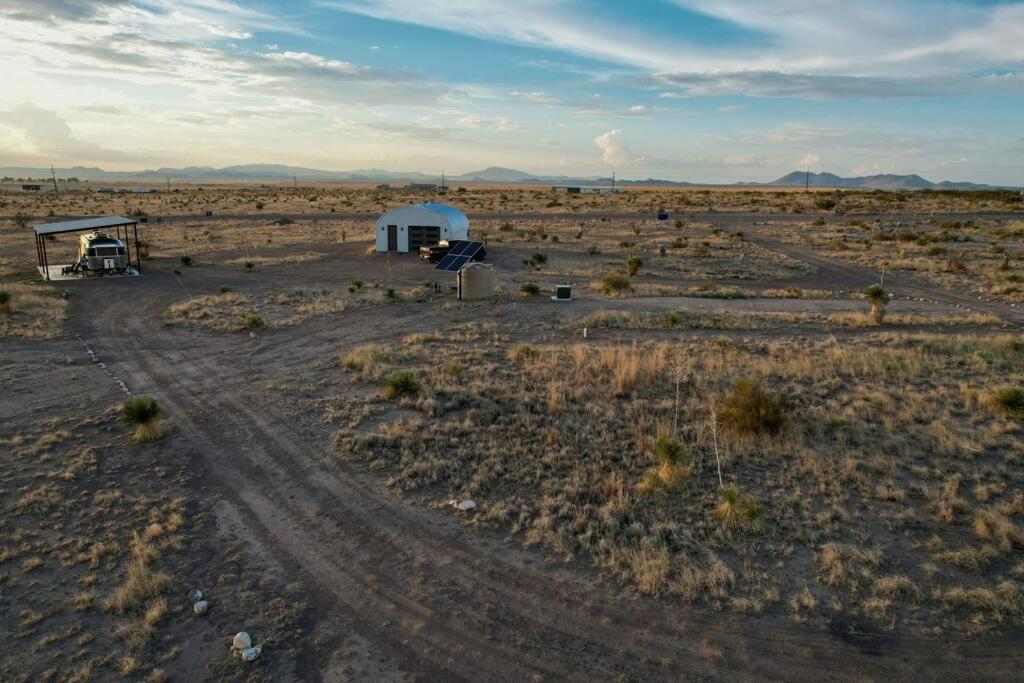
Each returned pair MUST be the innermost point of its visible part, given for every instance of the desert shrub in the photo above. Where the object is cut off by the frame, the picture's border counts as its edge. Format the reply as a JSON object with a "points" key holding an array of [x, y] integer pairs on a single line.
{"points": [[253, 322], [391, 295], [224, 289], [633, 265], [613, 283], [749, 409], [357, 284], [530, 289], [738, 510], [22, 220], [825, 204], [671, 319], [877, 298], [186, 260], [249, 265], [142, 413], [523, 352], [1009, 400], [5, 302], [401, 384]]}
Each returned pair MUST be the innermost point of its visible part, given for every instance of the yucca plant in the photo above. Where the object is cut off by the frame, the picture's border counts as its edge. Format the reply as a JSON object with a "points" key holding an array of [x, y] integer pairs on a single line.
{"points": [[143, 414], [877, 298], [737, 510], [672, 457]]}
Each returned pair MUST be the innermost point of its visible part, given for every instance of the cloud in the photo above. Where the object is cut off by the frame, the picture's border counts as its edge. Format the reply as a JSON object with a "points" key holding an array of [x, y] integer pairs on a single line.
{"points": [[810, 162], [615, 149], [869, 49], [49, 135]]}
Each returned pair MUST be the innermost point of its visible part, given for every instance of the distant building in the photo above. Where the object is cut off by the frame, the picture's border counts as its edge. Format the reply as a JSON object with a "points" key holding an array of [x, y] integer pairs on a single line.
{"points": [[422, 186], [31, 188], [383, 188], [585, 189], [143, 190]]}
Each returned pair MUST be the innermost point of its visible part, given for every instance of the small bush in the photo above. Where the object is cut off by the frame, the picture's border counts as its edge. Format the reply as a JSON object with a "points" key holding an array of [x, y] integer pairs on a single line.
{"points": [[401, 384], [523, 352], [357, 284], [390, 295], [186, 261], [224, 289], [248, 265], [1009, 400], [614, 283], [750, 409], [254, 322], [633, 265], [5, 302], [530, 289], [142, 413]]}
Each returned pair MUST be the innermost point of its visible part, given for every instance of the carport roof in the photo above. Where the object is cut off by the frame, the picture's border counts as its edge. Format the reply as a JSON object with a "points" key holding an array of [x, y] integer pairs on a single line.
{"points": [[82, 224]]}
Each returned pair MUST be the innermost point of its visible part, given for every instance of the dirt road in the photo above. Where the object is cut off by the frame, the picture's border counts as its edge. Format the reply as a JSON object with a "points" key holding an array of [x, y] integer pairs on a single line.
{"points": [[431, 598]]}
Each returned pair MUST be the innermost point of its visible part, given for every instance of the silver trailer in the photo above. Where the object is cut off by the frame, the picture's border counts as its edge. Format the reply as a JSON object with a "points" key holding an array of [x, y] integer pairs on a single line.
{"points": [[101, 254]]}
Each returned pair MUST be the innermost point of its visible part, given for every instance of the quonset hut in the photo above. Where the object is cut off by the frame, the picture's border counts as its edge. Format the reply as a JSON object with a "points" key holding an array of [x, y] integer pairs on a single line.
{"points": [[421, 225]]}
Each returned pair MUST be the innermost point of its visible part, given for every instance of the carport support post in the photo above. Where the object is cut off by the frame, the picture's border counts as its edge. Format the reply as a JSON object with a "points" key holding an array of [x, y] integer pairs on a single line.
{"points": [[138, 259], [127, 247], [46, 261], [39, 252]]}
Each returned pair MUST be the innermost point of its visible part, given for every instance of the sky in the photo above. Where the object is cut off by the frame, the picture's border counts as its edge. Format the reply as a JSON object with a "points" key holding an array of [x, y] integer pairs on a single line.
{"points": [[698, 90]]}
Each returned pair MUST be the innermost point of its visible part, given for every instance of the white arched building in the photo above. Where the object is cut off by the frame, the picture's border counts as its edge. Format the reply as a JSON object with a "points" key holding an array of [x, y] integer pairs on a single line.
{"points": [[421, 225]]}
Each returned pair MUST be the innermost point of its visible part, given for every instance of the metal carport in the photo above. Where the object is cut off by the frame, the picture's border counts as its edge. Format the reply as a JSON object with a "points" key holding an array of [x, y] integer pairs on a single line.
{"points": [[81, 225]]}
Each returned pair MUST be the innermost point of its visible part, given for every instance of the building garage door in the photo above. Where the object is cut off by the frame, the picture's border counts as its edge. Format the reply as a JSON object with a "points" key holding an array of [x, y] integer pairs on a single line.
{"points": [[423, 236]]}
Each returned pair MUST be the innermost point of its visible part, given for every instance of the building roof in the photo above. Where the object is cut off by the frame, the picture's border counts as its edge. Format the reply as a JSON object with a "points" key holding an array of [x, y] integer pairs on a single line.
{"points": [[82, 224], [455, 217]]}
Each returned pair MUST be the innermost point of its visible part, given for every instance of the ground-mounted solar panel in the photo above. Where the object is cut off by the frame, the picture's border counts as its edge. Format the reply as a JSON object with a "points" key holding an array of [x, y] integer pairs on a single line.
{"points": [[459, 254]]}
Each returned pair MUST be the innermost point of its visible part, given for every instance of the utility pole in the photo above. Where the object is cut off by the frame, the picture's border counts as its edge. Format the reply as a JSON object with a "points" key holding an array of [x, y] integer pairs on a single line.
{"points": [[168, 182], [296, 179], [613, 180], [807, 180], [54, 174]]}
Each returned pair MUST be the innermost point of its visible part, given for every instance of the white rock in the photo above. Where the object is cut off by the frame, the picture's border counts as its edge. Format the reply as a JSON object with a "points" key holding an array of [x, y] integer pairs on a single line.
{"points": [[195, 595], [251, 653], [200, 607], [242, 641], [464, 505]]}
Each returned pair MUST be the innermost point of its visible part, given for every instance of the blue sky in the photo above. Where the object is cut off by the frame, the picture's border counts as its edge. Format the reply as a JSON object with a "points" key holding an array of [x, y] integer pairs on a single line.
{"points": [[700, 90]]}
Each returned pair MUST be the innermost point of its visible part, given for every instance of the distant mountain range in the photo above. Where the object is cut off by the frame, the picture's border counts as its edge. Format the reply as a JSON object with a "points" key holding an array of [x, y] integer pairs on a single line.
{"points": [[493, 174]]}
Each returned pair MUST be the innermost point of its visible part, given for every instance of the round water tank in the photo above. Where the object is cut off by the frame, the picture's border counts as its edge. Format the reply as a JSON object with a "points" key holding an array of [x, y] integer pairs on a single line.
{"points": [[476, 281]]}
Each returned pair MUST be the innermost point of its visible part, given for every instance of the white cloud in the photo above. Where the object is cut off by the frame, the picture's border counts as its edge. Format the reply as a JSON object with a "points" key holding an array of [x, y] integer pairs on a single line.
{"points": [[811, 162], [615, 149]]}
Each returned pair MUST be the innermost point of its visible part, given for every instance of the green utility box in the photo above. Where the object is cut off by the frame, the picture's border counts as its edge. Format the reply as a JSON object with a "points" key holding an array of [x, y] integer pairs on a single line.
{"points": [[563, 293]]}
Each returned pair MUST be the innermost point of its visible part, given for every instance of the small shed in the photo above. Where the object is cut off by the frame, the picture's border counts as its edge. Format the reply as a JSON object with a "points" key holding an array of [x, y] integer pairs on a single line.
{"points": [[421, 225], [31, 188]]}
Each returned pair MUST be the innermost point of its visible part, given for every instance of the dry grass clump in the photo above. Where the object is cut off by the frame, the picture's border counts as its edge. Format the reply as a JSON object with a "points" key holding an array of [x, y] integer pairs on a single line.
{"points": [[372, 361], [31, 311], [142, 582]]}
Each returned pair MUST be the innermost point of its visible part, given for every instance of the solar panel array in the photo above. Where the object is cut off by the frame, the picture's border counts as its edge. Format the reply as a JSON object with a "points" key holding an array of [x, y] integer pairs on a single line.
{"points": [[460, 252]]}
